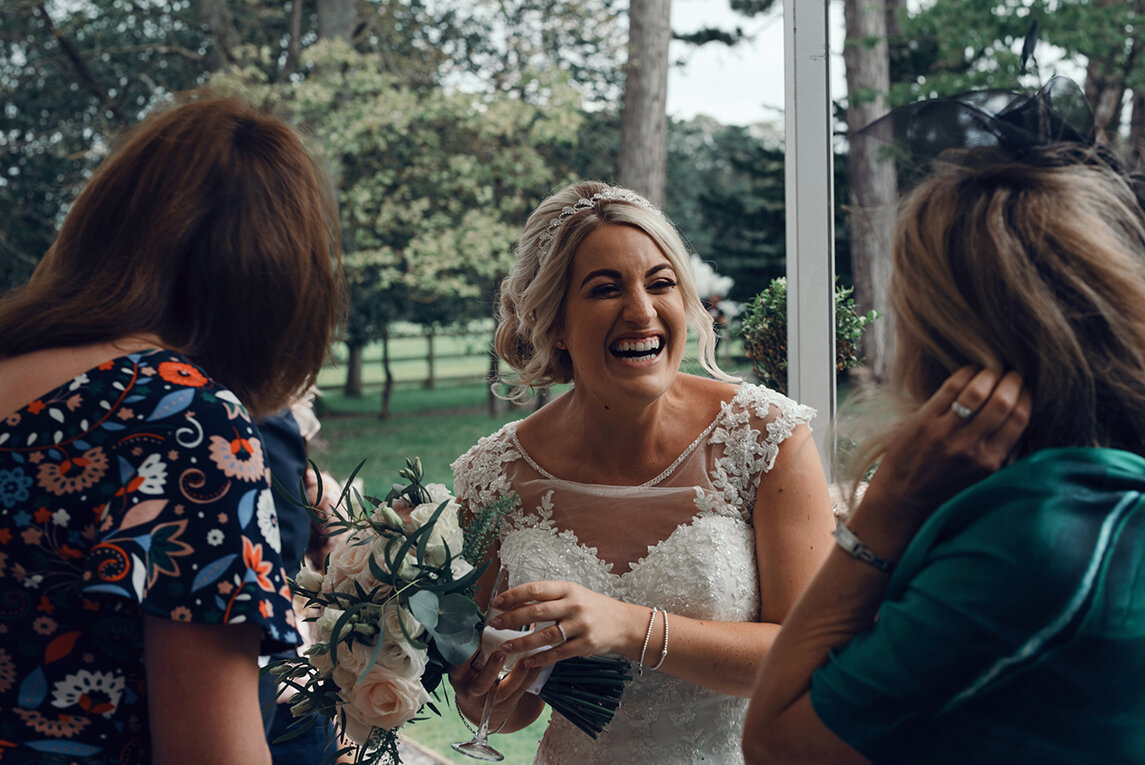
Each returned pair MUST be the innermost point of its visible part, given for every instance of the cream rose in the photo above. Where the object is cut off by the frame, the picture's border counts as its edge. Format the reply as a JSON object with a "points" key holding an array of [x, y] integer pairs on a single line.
{"points": [[394, 618], [386, 700], [447, 529], [349, 562]]}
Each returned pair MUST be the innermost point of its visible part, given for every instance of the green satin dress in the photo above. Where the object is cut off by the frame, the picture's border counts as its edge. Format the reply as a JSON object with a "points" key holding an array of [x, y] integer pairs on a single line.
{"points": [[1013, 628]]}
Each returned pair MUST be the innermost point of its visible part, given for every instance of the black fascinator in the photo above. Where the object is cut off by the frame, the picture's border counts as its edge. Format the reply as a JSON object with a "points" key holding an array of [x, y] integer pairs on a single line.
{"points": [[1015, 124]]}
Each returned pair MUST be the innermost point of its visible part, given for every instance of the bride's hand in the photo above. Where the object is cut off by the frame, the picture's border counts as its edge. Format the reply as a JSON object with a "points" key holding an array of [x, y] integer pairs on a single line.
{"points": [[583, 622], [472, 682]]}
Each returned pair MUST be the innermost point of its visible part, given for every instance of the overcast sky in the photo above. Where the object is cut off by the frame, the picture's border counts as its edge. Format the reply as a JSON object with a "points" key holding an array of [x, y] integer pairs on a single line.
{"points": [[739, 85]]}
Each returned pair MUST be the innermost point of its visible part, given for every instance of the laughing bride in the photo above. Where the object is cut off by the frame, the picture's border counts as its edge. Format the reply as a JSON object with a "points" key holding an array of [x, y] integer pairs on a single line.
{"points": [[663, 517]]}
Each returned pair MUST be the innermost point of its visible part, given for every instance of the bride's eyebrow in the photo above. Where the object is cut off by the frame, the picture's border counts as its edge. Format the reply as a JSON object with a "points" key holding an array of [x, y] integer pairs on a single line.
{"points": [[613, 274], [605, 272]]}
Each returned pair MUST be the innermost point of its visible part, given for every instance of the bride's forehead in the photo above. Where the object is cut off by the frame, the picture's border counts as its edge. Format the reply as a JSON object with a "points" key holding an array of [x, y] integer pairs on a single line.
{"points": [[620, 248]]}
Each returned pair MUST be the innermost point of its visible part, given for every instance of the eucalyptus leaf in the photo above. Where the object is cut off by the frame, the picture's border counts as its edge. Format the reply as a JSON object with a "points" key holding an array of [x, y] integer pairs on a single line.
{"points": [[424, 606]]}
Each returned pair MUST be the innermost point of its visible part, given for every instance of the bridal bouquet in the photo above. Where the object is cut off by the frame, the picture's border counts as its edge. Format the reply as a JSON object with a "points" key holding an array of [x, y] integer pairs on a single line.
{"points": [[395, 609]]}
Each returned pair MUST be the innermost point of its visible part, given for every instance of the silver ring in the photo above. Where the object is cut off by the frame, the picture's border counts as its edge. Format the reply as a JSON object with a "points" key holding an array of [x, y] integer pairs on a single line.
{"points": [[962, 411], [560, 629]]}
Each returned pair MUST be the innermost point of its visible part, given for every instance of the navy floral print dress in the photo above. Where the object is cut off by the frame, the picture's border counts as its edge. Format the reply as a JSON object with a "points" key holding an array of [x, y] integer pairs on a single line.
{"points": [[138, 488]]}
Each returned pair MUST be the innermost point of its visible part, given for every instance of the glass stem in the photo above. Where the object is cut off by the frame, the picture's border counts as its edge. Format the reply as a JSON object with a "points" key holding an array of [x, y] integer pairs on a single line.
{"points": [[483, 729]]}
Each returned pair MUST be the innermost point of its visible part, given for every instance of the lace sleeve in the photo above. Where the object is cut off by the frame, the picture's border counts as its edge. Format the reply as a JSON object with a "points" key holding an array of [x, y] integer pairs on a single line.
{"points": [[479, 476], [752, 427]]}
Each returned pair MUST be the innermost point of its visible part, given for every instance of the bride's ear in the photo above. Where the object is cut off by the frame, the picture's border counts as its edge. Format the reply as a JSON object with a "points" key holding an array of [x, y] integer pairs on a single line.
{"points": [[559, 344]]}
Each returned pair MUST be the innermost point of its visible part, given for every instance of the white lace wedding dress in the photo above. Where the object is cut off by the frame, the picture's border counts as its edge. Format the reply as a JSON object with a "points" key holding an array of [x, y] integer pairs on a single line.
{"points": [[682, 541]]}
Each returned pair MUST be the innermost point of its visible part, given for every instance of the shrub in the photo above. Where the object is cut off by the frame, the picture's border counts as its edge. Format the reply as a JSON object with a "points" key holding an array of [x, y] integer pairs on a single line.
{"points": [[764, 332]]}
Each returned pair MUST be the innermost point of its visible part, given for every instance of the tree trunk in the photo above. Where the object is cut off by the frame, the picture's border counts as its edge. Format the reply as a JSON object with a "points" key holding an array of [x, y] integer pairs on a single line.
{"points": [[388, 383], [1135, 151], [336, 19], [430, 382], [873, 186], [1105, 83], [216, 14], [354, 370], [644, 116]]}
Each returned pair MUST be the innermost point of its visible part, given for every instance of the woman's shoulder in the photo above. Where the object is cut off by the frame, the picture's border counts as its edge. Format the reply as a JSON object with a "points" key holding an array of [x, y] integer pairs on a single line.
{"points": [[1057, 512], [750, 405]]}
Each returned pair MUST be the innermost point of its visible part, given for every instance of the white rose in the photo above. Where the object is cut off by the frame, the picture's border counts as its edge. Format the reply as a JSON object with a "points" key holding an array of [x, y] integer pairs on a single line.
{"points": [[324, 624], [395, 617], [460, 567], [309, 579], [384, 699], [446, 531], [402, 659], [438, 493]]}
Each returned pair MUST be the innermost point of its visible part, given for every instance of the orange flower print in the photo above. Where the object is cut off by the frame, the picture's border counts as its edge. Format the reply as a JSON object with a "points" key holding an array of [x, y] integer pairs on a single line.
{"points": [[252, 557], [74, 401], [12, 420], [181, 614], [45, 625], [181, 374], [42, 515], [74, 474], [36, 406], [239, 458], [266, 609], [64, 726]]}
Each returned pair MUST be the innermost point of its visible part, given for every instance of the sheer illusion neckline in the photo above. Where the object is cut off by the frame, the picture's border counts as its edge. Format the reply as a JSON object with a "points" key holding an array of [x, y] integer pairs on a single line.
{"points": [[512, 433]]}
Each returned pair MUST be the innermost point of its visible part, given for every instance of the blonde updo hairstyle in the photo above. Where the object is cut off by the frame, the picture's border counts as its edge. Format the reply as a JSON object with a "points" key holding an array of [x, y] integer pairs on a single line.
{"points": [[529, 317], [1034, 265]]}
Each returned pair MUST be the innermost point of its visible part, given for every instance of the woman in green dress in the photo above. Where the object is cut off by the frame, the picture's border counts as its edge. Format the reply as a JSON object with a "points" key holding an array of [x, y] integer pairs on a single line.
{"points": [[999, 620]]}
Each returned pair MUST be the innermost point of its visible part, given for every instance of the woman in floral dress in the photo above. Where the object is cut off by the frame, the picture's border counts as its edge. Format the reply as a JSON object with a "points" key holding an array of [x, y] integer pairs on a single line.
{"points": [[192, 285]]}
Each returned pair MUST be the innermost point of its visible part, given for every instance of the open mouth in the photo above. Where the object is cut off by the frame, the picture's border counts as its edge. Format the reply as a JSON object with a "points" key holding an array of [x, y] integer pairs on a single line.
{"points": [[644, 348]]}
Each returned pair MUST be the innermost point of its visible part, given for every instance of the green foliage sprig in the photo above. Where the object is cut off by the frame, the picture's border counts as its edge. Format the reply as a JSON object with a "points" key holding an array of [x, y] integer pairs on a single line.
{"points": [[764, 331]]}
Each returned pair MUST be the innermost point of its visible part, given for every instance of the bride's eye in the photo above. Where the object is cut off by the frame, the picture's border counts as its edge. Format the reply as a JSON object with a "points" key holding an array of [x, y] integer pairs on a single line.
{"points": [[604, 290]]}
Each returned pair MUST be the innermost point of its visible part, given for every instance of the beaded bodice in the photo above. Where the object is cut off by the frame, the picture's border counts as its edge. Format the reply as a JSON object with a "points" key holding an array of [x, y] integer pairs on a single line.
{"points": [[682, 541]]}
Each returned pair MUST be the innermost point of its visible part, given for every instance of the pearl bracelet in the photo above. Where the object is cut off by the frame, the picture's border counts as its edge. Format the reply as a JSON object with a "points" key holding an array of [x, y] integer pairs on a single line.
{"points": [[647, 637], [664, 650]]}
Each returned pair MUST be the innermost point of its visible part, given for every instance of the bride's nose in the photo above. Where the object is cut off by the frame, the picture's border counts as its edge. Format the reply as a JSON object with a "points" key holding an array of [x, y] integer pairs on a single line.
{"points": [[638, 308]]}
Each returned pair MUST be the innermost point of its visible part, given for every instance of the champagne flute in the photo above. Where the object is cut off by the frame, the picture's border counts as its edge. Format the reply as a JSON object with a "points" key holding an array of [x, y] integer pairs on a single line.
{"points": [[478, 747]]}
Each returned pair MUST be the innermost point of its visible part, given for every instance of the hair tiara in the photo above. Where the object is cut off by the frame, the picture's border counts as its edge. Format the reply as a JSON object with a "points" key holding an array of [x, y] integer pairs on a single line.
{"points": [[610, 194]]}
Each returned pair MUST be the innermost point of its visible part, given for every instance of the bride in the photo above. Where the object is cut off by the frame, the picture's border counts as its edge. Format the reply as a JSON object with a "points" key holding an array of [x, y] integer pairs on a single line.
{"points": [[663, 517]]}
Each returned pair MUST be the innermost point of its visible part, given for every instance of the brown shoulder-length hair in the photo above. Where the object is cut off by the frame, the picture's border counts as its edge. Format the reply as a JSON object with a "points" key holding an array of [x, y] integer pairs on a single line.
{"points": [[1036, 266], [211, 227]]}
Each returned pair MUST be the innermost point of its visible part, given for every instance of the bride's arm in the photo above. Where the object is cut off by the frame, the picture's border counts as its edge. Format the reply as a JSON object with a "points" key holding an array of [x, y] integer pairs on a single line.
{"points": [[793, 523]]}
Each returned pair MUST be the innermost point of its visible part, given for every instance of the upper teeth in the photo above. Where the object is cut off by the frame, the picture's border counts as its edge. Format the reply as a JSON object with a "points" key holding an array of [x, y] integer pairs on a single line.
{"points": [[650, 344]]}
